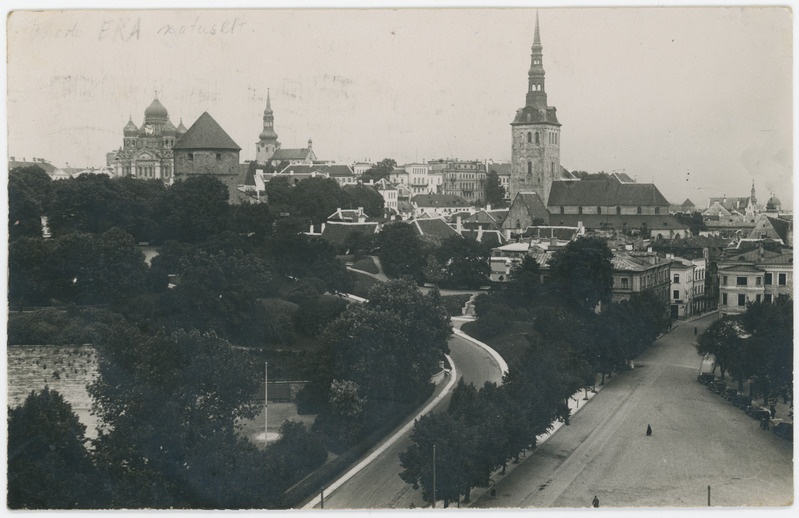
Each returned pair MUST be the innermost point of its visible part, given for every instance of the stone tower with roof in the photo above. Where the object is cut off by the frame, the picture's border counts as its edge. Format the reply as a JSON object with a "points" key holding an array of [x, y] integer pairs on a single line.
{"points": [[267, 141], [535, 151]]}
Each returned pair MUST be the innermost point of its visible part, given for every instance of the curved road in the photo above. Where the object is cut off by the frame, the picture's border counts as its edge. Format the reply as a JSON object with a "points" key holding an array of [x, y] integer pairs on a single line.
{"points": [[378, 485], [699, 439]]}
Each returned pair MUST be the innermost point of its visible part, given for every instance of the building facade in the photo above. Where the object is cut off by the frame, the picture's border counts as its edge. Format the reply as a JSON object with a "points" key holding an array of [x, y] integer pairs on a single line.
{"points": [[535, 133], [464, 178], [754, 276], [146, 151]]}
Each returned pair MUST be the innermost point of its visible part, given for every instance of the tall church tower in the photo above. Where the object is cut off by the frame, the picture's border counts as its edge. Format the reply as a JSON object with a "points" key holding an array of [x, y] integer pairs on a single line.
{"points": [[267, 141], [535, 161]]}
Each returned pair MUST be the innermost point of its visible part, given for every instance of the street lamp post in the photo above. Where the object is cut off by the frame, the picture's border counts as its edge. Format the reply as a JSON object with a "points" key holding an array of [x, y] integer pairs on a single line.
{"points": [[434, 475]]}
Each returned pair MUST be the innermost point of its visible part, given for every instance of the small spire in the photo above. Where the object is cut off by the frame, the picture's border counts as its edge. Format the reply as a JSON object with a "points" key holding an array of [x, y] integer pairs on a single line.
{"points": [[537, 37], [156, 92], [268, 100]]}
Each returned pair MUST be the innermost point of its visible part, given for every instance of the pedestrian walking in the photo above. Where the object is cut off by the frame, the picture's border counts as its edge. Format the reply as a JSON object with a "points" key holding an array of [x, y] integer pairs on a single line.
{"points": [[648, 431], [696, 330], [773, 411], [595, 501]]}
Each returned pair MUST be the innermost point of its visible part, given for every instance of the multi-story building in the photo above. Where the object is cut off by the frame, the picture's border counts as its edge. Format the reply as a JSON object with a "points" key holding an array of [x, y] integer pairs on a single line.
{"points": [[146, 151], [682, 288], [638, 272], [464, 178], [439, 205], [389, 193], [422, 179], [756, 275]]}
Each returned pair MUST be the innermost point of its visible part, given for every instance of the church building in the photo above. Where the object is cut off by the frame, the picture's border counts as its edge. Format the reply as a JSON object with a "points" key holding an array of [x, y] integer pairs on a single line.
{"points": [[268, 150], [146, 151], [535, 162]]}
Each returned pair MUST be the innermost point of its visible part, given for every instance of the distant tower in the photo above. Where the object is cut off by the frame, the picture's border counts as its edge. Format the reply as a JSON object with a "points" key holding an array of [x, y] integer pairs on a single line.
{"points": [[267, 141], [752, 196], [535, 130]]}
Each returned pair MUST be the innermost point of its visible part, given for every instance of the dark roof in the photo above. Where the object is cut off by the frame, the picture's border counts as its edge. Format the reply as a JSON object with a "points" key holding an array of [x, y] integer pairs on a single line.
{"points": [[604, 191], [337, 231], [440, 200], [433, 227], [491, 238], [688, 203], [500, 169], [329, 170], [531, 114], [600, 221], [206, 133], [739, 268], [290, 154], [530, 203], [47, 167]]}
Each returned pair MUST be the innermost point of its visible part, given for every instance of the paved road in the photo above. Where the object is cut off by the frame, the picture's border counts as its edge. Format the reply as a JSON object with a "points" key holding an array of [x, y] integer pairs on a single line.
{"points": [[378, 486], [699, 440]]}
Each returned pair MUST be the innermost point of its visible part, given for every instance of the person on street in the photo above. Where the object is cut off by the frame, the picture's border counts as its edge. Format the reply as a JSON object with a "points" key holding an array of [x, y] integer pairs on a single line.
{"points": [[696, 330], [773, 411], [595, 502], [648, 431]]}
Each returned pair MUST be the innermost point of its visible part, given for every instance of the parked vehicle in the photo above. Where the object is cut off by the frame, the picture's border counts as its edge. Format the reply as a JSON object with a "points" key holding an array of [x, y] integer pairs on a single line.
{"points": [[742, 401], [758, 412], [784, 429], [705, 378], [730, 393], [718, 387]]}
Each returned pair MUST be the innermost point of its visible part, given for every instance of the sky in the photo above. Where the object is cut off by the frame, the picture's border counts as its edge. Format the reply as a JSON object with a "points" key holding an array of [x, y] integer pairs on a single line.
{"points": [[696, 100]]}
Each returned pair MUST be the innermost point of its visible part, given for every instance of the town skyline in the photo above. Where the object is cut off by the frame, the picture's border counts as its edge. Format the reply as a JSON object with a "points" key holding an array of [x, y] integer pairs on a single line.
{"points": [[369, 94]]}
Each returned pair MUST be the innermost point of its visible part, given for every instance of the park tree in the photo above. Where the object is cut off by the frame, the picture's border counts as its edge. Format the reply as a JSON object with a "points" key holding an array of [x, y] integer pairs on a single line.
{"points": [[583, 273], [48, 464], [168, 403], [279, 194], [379, 170], [494, 191], [252, 219], [723, 339], [694, 221], [400, 251], [453, 440], [366, 197], [464, 262], [524, 285], [89, 203], [29, 196], [197, 208], [317, 198]]}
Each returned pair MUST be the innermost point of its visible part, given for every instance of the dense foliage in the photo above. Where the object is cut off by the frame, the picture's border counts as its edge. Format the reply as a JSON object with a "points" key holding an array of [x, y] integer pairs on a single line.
{"points": [[755, 347]]}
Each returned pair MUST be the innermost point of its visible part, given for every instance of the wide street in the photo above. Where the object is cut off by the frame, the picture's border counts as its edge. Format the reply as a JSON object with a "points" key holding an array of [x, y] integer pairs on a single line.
{"points": [[378, 485], [699, 440]]}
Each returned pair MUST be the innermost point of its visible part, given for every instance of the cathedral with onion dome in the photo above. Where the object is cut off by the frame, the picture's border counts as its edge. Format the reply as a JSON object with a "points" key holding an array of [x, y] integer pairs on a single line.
{"points": [[146, 151]]}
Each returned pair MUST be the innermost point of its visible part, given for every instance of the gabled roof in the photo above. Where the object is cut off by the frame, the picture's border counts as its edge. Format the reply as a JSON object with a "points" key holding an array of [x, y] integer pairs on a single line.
{"points": [[337, 231], [440, 200], [529, 204], [772, 227], [435, 228], [596, 190], [732, 203], [206, 133], [626, 262], [786, 257], [687, 203], [281, 154]]}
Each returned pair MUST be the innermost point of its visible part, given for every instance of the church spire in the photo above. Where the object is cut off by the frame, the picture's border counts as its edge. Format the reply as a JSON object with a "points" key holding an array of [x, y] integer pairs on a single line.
{"points": [[536, 92], [268, 103]]}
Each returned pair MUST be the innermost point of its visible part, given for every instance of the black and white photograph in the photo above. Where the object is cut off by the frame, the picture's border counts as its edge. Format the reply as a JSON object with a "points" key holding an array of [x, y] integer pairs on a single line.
{"points": [[383, 258]]}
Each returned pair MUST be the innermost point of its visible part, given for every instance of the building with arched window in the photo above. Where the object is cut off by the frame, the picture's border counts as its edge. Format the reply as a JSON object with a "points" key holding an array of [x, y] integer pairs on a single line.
{"points": [[146, 151]]}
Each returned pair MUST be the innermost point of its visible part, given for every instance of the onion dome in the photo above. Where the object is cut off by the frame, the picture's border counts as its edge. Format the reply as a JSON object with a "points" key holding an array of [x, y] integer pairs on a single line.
{"points": [[773, 203], [267, 134], [168, 128], [181, 128], [130, 128], [156, 113]]}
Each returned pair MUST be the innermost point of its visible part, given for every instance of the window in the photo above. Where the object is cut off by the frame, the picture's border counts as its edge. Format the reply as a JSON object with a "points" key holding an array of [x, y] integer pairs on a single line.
{"points": [[529, 136], [599, 210], [724, 280], [618, 210], [740, 281], [676, 294], [562, 210], [537, 140], [638, 210], [757, 297], [758, 280], [625, 283], [219, 156], [676, 277], [723, 299], [657, 210], [191, 156], [741, 299], [579, 210], [530, 167], [767, 297], [782, 279], [768, 280]]}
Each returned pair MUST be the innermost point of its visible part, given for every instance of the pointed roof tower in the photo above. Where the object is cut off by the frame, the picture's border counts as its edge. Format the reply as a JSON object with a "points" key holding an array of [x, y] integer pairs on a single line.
{"points": [[536, 91], [269, 121], [206, 133], [130, 128]]}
